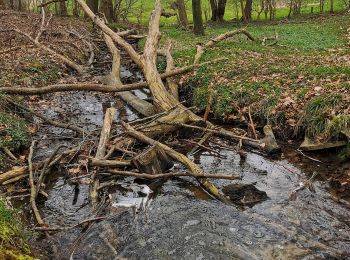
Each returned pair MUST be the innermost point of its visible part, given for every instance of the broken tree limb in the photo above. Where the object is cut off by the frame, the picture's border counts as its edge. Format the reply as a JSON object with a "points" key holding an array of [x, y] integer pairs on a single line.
{"points": [[172, 86], [141, 106], [172, 175], [194, 168], [15, 172], [221, 37], [101, 150], [33, 187], [109, 163], [104, 88]]}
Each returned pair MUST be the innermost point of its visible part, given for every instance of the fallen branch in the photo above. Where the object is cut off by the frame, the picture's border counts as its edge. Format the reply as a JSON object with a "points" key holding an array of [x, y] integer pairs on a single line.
{"points": [[97, 87], [100, 153], [172, 174], [109, 163], [212, 42], [32, 186]]}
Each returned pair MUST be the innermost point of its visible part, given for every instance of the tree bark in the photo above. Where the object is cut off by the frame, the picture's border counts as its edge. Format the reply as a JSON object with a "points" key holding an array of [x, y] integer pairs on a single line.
{"points": [[93, 5], [248, 10], [331, 6], [181, 8], [198, 28], [106, 7], [214, 10], [221, 10]]}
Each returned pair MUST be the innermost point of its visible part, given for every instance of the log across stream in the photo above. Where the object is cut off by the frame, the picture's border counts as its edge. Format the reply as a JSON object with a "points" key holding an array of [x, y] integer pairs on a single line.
{"points": [[175, 219]]}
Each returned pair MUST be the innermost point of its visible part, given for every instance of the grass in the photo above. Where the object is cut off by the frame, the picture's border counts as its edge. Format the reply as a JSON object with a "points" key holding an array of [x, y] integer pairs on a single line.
{"points": [[13, 235]]}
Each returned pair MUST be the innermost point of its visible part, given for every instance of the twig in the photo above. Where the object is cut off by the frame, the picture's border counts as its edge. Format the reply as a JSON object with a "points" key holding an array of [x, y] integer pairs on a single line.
{"points": [[9, 153], [252, 123]]}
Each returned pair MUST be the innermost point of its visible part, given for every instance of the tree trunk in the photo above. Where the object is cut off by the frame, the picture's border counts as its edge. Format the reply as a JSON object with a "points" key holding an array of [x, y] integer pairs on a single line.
{"points": [[182, 13], [198, 28], [75, 8], [331, 6], [106, 7], [93, 4], [214, 10], [63, 8], [221, 10], [248, 10], [242, 9]]}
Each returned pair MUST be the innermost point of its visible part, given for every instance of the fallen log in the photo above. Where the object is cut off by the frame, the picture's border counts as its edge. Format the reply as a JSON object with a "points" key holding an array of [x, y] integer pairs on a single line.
{"points": [[109, 163]]}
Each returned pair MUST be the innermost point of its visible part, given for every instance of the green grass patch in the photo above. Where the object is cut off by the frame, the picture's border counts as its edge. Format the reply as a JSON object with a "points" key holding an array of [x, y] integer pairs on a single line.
{"points": [[317, 111]]}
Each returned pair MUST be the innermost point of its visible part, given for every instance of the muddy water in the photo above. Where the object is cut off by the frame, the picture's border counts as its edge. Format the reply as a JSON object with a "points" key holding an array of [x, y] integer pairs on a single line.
{"points": [[181, 221]]}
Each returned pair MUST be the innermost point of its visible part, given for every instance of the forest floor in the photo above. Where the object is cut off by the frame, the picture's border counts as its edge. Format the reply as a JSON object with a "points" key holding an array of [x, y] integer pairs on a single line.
{"points": [[299, 85]]}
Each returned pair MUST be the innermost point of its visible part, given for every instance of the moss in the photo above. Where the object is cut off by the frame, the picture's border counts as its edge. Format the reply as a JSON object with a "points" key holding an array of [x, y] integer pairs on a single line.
{"points": [[13, 235], [13, 132]]}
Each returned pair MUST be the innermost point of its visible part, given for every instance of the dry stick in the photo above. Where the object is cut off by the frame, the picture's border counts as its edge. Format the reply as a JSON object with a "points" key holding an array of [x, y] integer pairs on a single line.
{"points": [[109, 163], [212, 42], [98, 87], [100, 153], [172, 86], [252, 123], [173, 174], [43, 171], [9, 153], [45, 119], [222, 132], [32, 186], [194, 168], [64, 59]]}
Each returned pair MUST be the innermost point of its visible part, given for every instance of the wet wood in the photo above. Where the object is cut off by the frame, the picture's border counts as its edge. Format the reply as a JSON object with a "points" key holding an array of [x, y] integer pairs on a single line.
{"points": [[109, 163], [172, 175], [193, 168], [153, 160], [101, 150]]}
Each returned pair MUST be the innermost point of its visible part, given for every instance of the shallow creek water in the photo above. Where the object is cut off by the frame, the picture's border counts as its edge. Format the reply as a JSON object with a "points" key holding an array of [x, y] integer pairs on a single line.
{"points": [[181, 221]]}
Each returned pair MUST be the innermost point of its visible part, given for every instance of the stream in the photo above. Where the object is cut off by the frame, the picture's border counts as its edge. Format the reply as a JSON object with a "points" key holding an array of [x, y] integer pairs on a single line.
{"points": [[177, 219]]}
